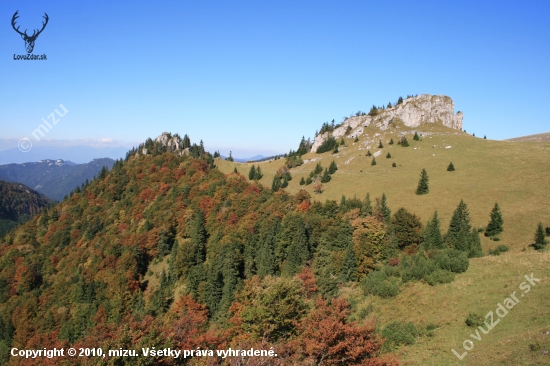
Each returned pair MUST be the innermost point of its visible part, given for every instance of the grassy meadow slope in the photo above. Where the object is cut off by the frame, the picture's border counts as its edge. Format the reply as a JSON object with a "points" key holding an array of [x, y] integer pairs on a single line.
{"points": [[514, 174]]}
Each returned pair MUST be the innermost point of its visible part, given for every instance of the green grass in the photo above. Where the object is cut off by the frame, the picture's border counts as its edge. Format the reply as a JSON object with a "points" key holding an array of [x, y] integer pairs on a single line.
{"points": [[514, 174]]}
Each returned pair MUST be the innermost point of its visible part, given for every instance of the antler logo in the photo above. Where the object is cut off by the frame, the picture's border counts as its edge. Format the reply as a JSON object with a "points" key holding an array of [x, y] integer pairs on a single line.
{"points": [[29, 40]]}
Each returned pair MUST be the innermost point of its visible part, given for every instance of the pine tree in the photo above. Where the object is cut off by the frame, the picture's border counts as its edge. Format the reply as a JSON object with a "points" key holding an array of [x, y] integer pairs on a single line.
{"points": [[342, 142], [475, 245], [335, 151], [416, 137], [451, 167], [318, 169], [404, 142], [423, 187], [373, 162], [400, 100], [540, 240], [326, 177], [276, 184], [235, 170], [259, 173], [366, 208], [485, 137], [432, 234], [308, 181], [349, 267], [394, 165], [389, 105], [285, 183], [495, 224], [332, 168], [369, 153], [380, 146], [252, 173], [383, 212], [302, 181], [388, 156], [458, 235], [391, 142], [230, 158]]}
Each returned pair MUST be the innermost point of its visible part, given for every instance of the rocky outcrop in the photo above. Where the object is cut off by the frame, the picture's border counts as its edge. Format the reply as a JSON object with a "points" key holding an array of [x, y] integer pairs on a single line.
{"points": [[413, 112]]}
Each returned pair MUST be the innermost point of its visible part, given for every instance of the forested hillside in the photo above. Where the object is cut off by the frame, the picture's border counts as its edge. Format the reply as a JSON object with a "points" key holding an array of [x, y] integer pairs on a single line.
{"points": [[165, 250], [18, 204]]}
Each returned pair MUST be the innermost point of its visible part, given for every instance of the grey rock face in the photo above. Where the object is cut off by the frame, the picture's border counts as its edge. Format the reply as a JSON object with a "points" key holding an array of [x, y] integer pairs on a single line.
{"points": [[413, 112]]}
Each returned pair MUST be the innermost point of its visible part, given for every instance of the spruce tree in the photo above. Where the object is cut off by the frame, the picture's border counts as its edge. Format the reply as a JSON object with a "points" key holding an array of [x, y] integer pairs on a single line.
{"points": [[423, 187], [258, 174], [335, 151], [326, 177], [366, 208], [495, 224], [373, 161], [302, 181], [388, 156], [235, 170], [458, 235], [394, 165], [451, 167], [342, 142], [369, 153], [285, 183], [432, 234], [252, 173], [380, 146], [416, 137], [384, 210], [276, 184], [540, 240], [230, 158], [349, 267], [308, 181], [404, 142], [475, 245], [400, 100], [332, 168], [391, 142]]}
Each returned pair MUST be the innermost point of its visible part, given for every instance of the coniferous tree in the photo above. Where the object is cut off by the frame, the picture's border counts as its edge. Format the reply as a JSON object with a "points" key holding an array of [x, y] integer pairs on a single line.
{"points": [[394, 165], [373, 162], [540, 239], [326, 177], [451, 167], [458, 235], [308, 181], [495, 224], [388, 156], [356, 139], [342, 142], [335, 151], [230, 158], [391, 141], [380, 146], [485, 137], [475, 245], [432, 238], [369, 153], [404, 142], [416, 137], [400, 100], [423, 187], [389, 105], [285, 183], [349, 267], [383, 212], [302, 181], [366, 207], [252, 173], [259, 173], [332, 168], [276, 184]]}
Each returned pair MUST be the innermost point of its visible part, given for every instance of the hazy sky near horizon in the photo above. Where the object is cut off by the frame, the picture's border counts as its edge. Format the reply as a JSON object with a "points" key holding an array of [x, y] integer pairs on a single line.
{"points": [[255, 76]]}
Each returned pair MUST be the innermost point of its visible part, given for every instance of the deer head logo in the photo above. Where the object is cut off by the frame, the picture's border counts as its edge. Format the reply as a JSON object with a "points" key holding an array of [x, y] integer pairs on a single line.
{"points": [[29, 40]]}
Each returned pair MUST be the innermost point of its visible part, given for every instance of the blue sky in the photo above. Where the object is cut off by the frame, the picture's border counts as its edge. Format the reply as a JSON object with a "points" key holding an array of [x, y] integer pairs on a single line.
{"points": [[254, 77]]}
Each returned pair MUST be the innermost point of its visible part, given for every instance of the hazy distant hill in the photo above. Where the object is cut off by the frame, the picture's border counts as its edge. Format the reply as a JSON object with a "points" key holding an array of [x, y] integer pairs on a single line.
{"points": [[18, 203], [540, 137], [54, 178], [78, 154]]}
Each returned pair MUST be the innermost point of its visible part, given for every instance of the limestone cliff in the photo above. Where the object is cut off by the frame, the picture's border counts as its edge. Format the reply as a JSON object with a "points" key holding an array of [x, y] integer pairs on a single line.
{"points": [[413, 112]]}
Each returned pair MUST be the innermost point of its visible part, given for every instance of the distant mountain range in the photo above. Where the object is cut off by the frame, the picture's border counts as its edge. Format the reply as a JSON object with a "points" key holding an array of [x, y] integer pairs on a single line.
{"points": [[53, 178], [77, 154], [254, 158], [18, 203]]}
